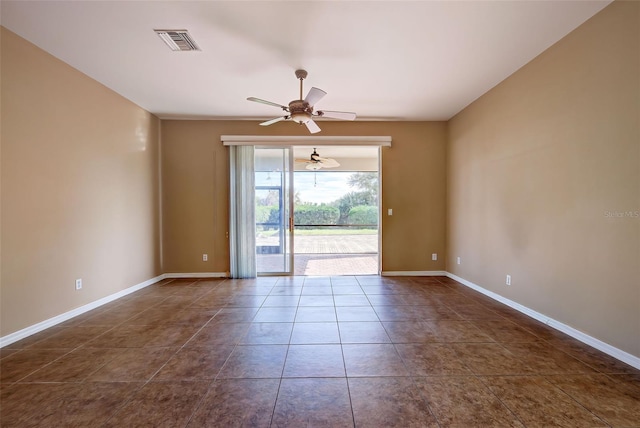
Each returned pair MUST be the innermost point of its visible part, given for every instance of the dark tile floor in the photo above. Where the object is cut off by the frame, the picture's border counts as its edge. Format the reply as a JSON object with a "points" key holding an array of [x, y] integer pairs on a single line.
{"points": [[307, 351]]}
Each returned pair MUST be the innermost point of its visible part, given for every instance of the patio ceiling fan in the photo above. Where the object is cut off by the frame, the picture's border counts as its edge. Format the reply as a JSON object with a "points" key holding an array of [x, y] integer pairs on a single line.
{"points": [[301, 111], [315, 162]]}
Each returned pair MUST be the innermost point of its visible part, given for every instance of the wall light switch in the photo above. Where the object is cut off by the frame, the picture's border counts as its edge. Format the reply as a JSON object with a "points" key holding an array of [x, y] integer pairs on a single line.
{"points": [[390, 211]]}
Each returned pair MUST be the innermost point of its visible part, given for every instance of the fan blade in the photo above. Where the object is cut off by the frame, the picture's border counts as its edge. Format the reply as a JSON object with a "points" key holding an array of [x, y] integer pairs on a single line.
{"points": [[344, 115], [314, 96], [302, 160], [312, 127], [269, 103], [329, 163], [272, 121]]}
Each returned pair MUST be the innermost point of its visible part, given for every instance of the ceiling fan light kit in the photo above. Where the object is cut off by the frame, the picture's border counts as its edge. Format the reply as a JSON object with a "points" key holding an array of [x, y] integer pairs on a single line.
{"points": [[301, 110]]}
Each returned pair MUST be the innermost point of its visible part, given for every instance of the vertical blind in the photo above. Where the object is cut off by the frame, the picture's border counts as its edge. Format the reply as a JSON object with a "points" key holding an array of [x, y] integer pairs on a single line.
{"points": [[242, 228]]}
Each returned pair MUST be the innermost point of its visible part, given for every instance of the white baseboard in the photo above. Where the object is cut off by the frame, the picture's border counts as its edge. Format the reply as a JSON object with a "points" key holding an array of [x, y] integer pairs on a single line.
{"points": [[25, 332], [414, 273], [198, 275], [36, 328], [619, 354]]}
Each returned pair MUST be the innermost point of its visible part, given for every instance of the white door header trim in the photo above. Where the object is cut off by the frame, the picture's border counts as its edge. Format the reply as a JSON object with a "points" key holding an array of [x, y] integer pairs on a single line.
{"points": [[271, 140]]}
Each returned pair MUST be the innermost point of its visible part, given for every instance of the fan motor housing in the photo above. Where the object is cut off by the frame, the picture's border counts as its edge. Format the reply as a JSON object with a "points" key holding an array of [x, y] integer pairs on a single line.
{"points": [[300, 111]]}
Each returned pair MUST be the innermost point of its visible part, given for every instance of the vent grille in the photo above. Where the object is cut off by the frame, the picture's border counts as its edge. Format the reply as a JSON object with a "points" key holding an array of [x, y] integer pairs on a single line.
{"points": [[178, 40]]}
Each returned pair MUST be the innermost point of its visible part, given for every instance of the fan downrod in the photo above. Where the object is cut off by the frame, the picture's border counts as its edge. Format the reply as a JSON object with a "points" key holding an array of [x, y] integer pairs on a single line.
{"points": [[301, 75]]}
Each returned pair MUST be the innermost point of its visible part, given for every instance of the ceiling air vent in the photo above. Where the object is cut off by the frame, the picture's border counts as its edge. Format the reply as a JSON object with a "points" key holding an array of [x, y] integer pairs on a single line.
{"points": [[177, 40]]}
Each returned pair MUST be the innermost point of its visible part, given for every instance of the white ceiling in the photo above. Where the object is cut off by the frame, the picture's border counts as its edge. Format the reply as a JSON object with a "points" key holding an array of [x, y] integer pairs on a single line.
{"points": [[393, 60]]}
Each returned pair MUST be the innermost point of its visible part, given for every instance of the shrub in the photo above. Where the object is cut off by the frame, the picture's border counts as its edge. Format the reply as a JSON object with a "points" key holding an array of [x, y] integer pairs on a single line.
{"points": [[363, 214], [263, 213], [316, 214]]}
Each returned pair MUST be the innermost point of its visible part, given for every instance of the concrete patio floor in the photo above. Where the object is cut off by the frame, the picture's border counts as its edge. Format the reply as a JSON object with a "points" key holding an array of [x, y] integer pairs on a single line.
{"points": [[328, 255], [335, 244]]}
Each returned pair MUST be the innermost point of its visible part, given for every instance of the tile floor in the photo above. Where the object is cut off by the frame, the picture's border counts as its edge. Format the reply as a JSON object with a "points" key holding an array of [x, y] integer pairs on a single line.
{"points": [[309, 351]]}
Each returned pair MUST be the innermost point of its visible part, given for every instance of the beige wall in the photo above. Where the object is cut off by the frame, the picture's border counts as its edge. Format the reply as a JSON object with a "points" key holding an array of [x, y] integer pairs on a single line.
{"points": [[535, 164], [79, 190], [195, 185]]}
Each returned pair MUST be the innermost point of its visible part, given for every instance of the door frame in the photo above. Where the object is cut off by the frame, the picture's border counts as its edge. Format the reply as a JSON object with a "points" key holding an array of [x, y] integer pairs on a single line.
{"points": [[286, 221], [266, 141]]}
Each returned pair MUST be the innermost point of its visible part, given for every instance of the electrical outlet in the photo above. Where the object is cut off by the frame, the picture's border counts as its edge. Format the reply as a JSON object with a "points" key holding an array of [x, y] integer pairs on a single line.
{"points": [[390, 211], [458, 260], [79, 284], [508, 280], [205, 257], [434, 256]]}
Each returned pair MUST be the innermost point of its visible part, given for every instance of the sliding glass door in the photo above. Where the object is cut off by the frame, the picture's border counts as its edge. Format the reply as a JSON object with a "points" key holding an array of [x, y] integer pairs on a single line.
{"points": [[274, 211]]}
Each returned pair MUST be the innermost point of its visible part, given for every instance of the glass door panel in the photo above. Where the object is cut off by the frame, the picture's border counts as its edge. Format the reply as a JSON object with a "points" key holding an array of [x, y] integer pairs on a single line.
{"points": [[274, 242]]}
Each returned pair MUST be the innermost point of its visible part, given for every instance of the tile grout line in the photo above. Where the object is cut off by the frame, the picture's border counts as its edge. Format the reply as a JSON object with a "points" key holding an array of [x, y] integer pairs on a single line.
{"points": [[275, 402], [213, 381], [575, 400], [344, 363], [166, 362]]}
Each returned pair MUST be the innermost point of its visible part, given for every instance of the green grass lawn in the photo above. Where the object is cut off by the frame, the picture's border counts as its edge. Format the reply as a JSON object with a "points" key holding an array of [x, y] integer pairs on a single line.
{"points": [[343, 231], [325, 232]]}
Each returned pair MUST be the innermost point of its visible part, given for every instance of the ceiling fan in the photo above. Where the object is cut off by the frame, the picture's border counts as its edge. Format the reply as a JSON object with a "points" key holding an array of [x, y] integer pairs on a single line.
{"points": [[315, 162], [301, 111]]}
